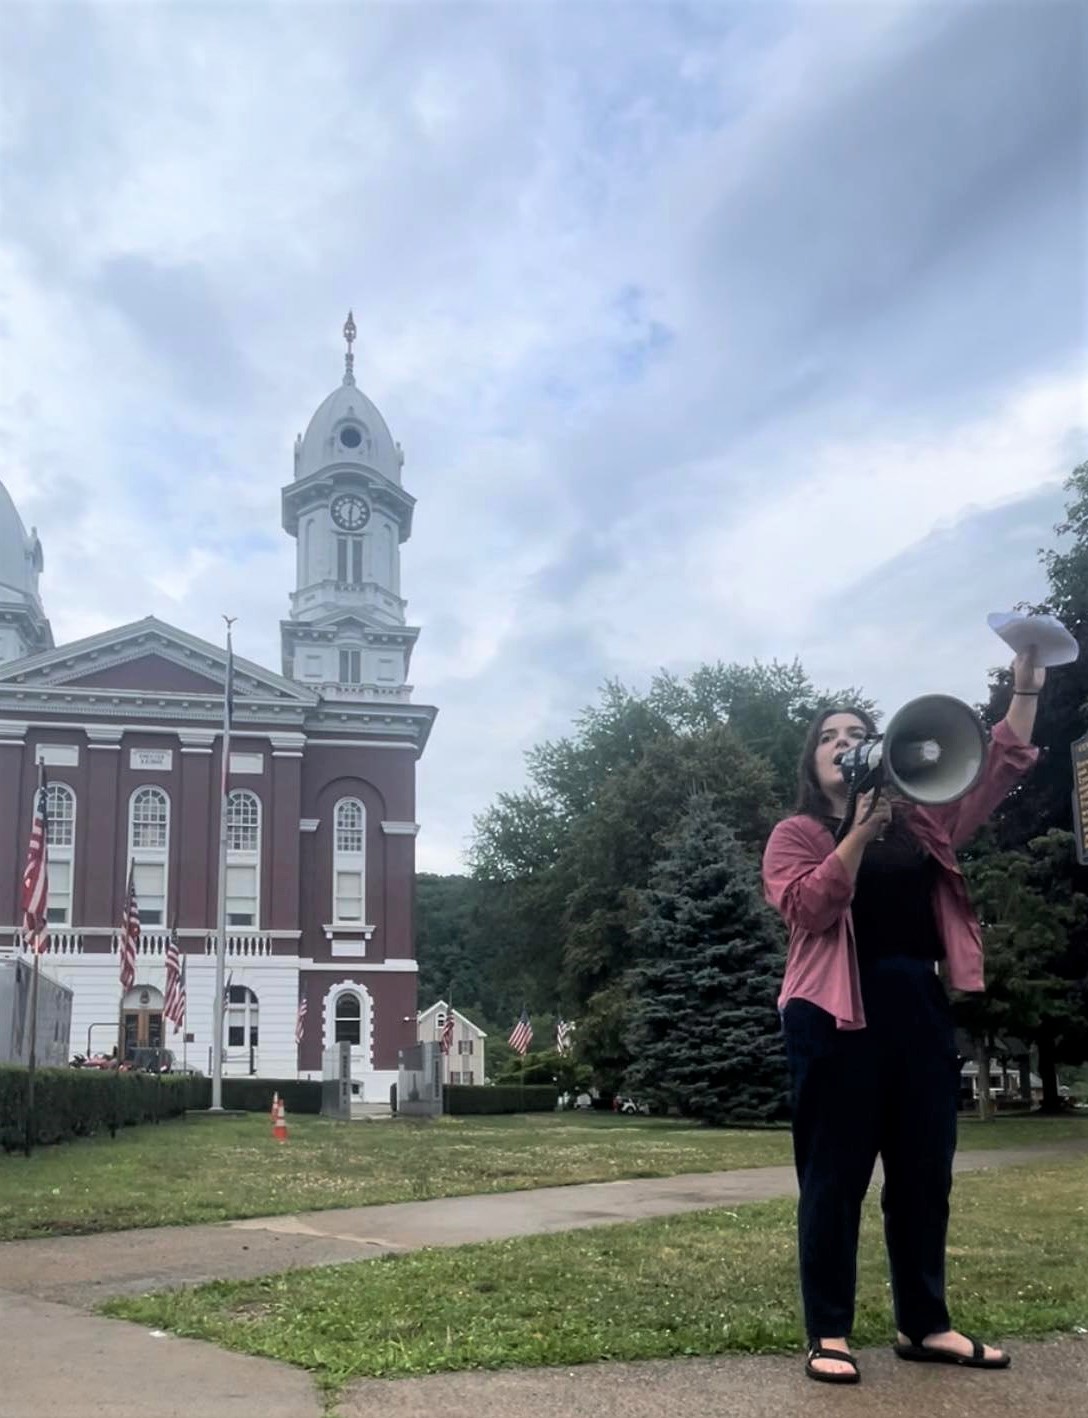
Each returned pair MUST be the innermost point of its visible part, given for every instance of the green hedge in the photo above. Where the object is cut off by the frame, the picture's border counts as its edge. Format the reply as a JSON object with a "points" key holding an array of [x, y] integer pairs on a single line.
{"points": [[75, 1102], [254, 1095], [500, 1098]]}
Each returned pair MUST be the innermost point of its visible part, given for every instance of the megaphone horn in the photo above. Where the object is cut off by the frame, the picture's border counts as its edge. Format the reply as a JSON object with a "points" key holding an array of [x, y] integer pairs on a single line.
{"points": [[933, 750]]}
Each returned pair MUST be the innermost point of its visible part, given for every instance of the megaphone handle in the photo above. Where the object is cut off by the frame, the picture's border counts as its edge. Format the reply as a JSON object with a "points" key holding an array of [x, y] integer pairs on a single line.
{"points": [[848, 817]]}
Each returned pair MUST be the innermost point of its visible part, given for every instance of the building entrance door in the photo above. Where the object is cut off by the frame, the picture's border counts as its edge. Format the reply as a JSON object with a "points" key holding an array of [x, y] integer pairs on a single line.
{"points": [[142, 1017]]}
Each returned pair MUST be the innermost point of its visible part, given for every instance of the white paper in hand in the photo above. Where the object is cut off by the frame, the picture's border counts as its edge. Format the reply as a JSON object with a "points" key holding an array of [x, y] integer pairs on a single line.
{"points": [[1052, 643]]}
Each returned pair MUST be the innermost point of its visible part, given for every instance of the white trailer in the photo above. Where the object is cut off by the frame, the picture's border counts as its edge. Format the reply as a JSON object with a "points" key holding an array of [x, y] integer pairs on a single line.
{"points": [[54, 1016]]}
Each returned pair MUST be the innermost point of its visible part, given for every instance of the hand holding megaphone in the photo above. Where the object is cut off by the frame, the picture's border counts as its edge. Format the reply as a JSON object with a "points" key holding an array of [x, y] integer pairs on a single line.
{"points": [[932, 752]]}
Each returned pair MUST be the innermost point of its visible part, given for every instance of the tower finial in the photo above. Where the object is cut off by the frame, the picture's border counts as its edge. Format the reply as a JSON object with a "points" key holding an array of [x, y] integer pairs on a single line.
{"points": [[349, 358]]}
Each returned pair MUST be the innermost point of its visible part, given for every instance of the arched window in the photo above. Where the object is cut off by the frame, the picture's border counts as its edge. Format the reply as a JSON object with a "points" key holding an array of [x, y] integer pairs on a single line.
{"points": [[60, 809], [349, 861], [241, 1024], [349, 1019], [307, 554], [149, 850], [243, 858]]}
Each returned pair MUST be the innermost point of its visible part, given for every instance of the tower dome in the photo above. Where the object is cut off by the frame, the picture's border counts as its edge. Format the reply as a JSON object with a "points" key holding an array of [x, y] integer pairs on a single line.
{"points": [[23, 626], [20, 555], [348, 429]]}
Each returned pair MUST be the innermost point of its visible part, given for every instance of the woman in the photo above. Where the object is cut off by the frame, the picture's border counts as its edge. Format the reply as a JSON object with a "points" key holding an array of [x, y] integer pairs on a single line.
{"points": [[868, 1028]]}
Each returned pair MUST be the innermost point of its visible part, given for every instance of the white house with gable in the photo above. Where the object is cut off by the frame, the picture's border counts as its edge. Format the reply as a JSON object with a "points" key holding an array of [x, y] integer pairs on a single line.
{"points": [[465, 1061]]}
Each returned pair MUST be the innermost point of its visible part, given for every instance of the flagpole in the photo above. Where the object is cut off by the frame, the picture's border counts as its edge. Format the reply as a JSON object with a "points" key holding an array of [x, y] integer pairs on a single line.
{"points": [[31, 1064], [221, 936], [37, 940]]}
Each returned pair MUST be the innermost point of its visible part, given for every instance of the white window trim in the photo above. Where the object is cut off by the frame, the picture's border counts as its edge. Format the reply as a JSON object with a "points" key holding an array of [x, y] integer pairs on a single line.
{"points": [[350, 650], [144, 855], [250, 859], [54, 855], [250, 1013], [352, 857], [364, 1051]]}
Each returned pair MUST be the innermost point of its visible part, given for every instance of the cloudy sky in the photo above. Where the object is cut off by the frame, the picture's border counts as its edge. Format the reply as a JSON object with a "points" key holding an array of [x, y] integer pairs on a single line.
{"points": [[709, 330]]}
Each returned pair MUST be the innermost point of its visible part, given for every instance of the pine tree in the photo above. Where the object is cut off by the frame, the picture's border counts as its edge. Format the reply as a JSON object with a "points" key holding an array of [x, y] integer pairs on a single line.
{"points": [[703, 1029]]}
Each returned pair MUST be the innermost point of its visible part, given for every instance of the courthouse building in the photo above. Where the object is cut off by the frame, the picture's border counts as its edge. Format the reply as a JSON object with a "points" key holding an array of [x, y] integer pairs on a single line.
{"points": [[321, 819]]}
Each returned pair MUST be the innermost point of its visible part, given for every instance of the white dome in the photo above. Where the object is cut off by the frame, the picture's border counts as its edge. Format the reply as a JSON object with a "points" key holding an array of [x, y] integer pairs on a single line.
{"points": [[347, 428], [20, 555]]}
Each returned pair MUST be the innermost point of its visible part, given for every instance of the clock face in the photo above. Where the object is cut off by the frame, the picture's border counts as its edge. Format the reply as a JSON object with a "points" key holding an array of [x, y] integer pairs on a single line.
{"points": [[350, 512]]}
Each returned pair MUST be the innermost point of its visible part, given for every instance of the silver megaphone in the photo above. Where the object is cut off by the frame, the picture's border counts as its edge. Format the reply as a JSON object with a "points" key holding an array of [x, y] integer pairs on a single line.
{"points": [[932, 752]]}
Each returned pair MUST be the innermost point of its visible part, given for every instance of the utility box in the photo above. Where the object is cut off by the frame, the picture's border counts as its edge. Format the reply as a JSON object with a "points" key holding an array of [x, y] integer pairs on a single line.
{"points": [[419, 1081], [54, 1016]]}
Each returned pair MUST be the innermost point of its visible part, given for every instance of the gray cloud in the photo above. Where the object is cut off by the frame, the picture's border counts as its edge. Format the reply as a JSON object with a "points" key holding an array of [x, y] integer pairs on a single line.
{"points": [[659, 313]]}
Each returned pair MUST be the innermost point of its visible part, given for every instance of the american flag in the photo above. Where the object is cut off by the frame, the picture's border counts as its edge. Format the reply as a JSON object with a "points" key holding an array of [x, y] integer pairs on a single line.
{"points": [[564, 1035], [300, 1022], [522, 1034], [130, 933], [35, 897], [446, 1043], [174, 1004], [179, 1016]]}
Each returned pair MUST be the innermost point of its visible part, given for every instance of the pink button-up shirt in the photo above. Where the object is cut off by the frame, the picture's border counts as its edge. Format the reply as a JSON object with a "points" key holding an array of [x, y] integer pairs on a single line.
{"points": [[808, 885]]}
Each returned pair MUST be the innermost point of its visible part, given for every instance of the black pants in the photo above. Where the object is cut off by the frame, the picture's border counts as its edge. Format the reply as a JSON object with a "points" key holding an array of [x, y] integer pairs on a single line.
{"points": [[891, 1090]]}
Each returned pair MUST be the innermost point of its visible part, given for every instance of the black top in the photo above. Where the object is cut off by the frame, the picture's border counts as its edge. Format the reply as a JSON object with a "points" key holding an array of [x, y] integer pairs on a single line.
{"points": [[893, 899]]}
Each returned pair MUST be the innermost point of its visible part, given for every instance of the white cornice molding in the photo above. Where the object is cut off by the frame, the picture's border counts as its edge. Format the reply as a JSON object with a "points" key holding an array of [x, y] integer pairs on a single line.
{"points": [[286, 741], [348, 932], [12, 731], [401, 829], [360, 743], [104, 735], [198, 738], [374, 967]]}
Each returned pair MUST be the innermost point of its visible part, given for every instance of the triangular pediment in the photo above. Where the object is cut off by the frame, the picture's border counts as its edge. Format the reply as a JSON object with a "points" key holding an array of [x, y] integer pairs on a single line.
{"points": [[152, 657], [350, 622]]}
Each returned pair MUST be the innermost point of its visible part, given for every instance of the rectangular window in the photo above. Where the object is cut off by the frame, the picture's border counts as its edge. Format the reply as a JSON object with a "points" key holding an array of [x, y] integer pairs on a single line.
{"points": [[356, 561], [349, 896], [348, 1031], [342, 559], [149, 879], [455, 1077], [350, 667], [467, 1077], [236, 1036], [60, 891], [241, 895]]}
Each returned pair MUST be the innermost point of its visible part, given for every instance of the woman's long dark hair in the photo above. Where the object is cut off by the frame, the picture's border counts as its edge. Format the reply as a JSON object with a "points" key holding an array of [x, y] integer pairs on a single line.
{"points": [[811, 799]]}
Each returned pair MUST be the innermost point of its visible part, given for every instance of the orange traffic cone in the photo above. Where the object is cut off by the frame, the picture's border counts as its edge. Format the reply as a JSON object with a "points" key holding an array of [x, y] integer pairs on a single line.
{"points": [[279, 1127]]}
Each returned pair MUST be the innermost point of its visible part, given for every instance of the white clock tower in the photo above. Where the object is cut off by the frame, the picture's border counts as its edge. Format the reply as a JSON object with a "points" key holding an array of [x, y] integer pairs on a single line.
{"points": [[346, 636]]}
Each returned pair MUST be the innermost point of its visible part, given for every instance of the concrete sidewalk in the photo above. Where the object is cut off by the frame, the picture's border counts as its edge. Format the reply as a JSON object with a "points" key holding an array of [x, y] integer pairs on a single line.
{"points": [[85, 1270], [60, 1363], [1043, 1383]]}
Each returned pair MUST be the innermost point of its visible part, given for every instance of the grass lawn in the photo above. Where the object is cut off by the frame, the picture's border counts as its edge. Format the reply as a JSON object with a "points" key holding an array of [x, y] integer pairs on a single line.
{"points": [[698, 1284], [202, 1170]]}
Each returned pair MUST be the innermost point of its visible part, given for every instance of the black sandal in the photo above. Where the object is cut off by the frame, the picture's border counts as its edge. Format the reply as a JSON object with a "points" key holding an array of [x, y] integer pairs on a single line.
{"points": [[932, 1354], [817, 1351]]}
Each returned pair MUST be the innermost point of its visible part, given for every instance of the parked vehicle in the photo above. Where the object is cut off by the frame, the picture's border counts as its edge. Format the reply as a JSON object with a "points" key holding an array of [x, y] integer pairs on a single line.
{"points": [[630, 1105]]}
